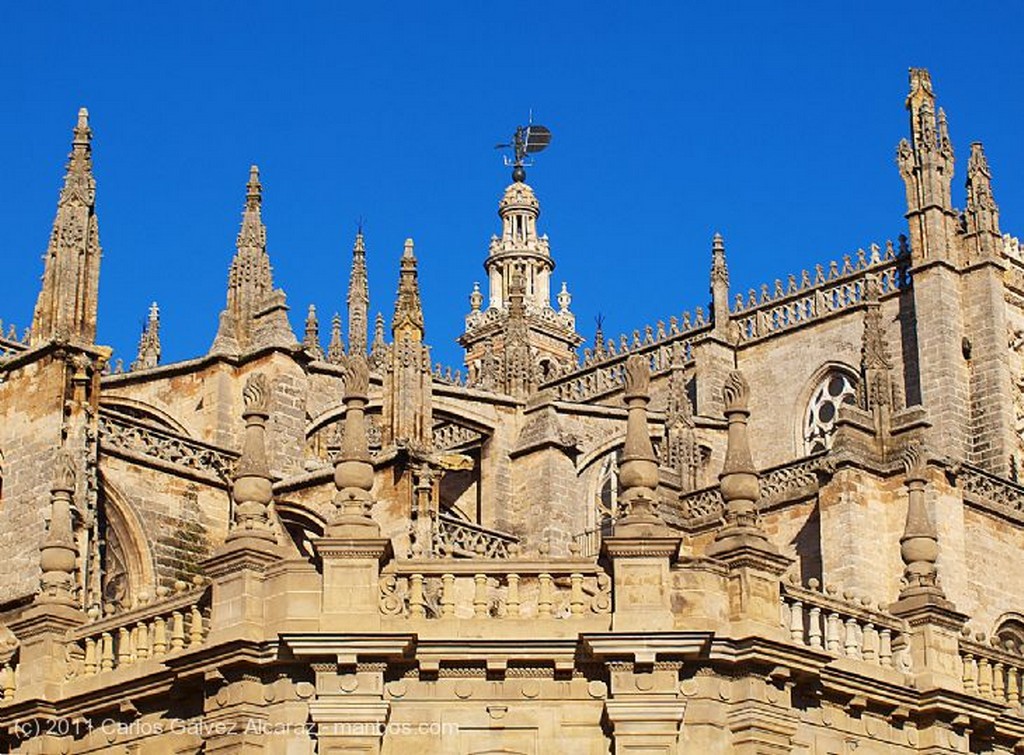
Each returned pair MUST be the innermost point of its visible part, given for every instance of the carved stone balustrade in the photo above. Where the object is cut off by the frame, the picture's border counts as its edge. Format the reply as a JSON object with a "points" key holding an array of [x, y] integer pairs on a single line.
{"points": [[454, 537], [993, 669], [147, 633], [835, 291], [844, 626], [129, 437], [556, 589]]}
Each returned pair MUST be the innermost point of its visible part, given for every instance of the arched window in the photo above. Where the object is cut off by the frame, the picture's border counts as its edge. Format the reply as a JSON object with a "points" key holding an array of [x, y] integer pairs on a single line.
{"points": [[836, 389], [1011, 630]]}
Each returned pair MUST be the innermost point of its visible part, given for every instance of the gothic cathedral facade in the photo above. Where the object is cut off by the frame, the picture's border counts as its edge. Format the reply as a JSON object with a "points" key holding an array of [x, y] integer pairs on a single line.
{"points": [[784, 522]]}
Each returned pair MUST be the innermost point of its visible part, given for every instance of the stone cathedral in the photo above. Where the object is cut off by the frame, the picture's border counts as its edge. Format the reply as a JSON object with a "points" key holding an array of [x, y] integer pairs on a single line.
{"points": [[788, 521]]}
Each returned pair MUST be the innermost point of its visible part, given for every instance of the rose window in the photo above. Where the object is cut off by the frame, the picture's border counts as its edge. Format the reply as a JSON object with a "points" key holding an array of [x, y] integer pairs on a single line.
{"points": [[820, 422]]}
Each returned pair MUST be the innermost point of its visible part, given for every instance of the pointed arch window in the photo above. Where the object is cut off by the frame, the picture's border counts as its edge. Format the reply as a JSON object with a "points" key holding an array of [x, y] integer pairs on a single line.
{"points": [[837, 388]]}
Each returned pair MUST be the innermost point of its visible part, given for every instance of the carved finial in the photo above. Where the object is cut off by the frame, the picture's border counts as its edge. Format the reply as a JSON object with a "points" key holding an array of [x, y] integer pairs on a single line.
{"points": [[919, 546], [311, 339], [251, 489], [256, 395], [476, 299], [64, 472], [739, 481], [357, 377], [58, 554], [336, 347], [564, 299], [735, 392], [638, 469], [637, 377]]}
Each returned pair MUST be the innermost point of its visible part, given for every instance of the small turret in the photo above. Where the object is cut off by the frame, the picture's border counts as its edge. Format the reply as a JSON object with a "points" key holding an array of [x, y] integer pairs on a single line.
{"points": [[407, 323]]}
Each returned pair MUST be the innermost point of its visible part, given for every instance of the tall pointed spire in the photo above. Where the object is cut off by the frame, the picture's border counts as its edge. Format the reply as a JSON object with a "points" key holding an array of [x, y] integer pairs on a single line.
{"points": [[256, 314], [982, 215], [407, 324], [66, 307], [149, 341], [926, 165], [358, 298]]}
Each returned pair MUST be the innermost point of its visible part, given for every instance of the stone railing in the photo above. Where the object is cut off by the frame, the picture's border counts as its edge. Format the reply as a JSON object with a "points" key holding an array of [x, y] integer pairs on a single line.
{"points": [[841, 287], [588, 542], [1002, 494], [608, 374], [844, 626], [8, 670], [993, 669], [449, 435], [154, 631], [487, 589], [455, 537], [124, 433], [777, 484], [448, 376], [10, 343]]}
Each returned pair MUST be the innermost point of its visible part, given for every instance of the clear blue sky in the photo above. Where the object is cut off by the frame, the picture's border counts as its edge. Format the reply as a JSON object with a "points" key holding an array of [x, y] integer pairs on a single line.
{"points": [[773, 123]]}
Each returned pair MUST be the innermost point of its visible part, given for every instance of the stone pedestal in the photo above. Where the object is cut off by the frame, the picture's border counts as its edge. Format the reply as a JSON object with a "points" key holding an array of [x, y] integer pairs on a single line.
{"points": [[237, 572], [42, 633], [645, 727], [935, 626], [642, 586], [351, 583]]}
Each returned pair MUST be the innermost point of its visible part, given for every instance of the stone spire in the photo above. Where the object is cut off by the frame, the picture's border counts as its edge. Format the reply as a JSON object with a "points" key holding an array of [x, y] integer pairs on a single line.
{"points": [[407, 324], [407, 411], [59, 552], [149, 342], [311, 338], [358, 298], [638, 469], [739, 479], [67, 302], [926, 165], [378, 347], [353, 470], [878, 388], [336, 347], [251, 491], [256, 314], [719, 285], [984, 241]]}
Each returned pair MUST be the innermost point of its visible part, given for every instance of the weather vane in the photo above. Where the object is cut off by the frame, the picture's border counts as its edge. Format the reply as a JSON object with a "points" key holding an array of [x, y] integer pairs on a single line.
{"points": [[527, 140]]}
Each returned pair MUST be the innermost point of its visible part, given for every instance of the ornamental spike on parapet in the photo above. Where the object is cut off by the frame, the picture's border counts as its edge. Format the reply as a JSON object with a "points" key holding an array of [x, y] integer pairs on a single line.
{"points": [[919, 545], [59, 552], [739, 478], [311, 338], [251, 490], [638, 470], [353, 470]]}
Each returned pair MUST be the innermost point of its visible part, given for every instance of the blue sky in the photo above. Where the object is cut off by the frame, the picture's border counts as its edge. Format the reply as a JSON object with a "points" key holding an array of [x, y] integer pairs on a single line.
{"points": [[773, 123]]}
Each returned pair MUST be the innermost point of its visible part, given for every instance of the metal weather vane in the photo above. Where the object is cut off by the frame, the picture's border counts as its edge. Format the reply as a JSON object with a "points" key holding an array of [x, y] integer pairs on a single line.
{"points": [[527, 140]]}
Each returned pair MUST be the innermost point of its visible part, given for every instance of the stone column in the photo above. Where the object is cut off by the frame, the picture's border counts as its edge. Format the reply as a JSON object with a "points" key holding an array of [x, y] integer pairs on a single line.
{"points": [[42, 628], [237, 568], [642, 547], [934, 620], [755, 564], [352, 549]]}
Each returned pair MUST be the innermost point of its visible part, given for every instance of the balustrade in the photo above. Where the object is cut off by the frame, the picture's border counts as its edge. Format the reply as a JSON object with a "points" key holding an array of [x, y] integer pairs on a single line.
{"points": [[557, 589], [992, 669], [844, 626], [151, 631]]}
